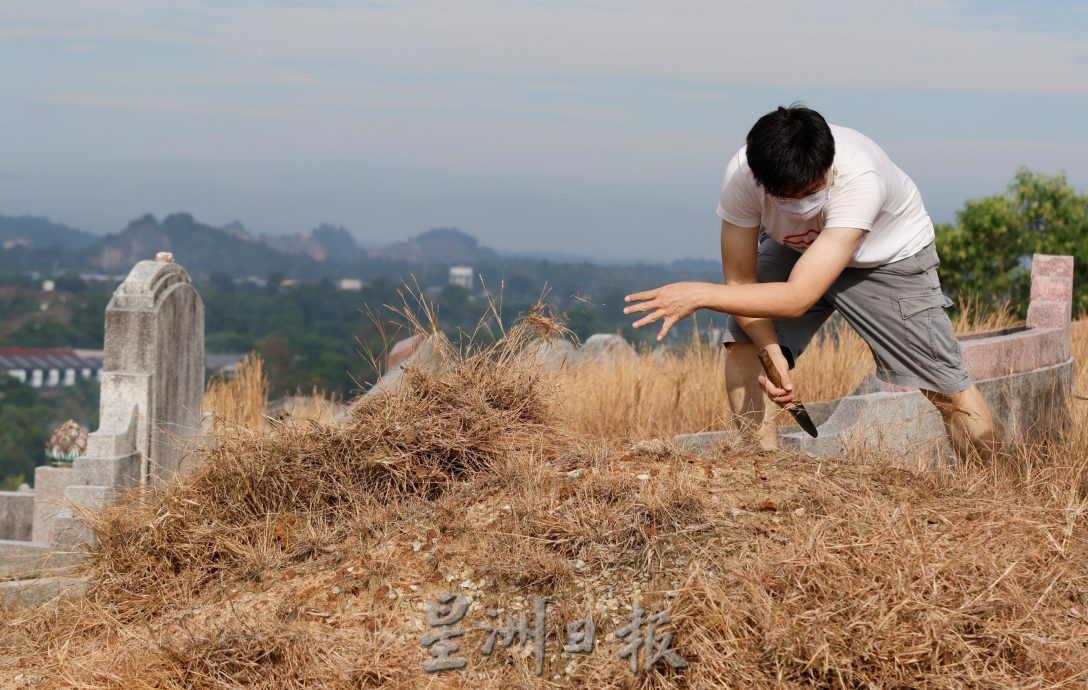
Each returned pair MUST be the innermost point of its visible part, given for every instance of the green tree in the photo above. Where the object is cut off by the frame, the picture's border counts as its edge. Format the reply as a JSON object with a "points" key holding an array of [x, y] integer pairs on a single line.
{"points": [[584, 320], [71, 282], [222, 281], [988, 253]]}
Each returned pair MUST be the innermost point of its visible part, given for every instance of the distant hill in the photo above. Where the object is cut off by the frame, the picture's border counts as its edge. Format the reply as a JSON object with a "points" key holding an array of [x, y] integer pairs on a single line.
{"points": [[324, 243], [696, 266], [438, 246], [337, 242], [203, 249], [328, 251], [36, 232], [237, 229]]}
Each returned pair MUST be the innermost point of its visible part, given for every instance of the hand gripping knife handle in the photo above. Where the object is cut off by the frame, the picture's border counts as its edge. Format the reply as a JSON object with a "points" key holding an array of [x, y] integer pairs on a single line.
{"points": [[796, 408]]}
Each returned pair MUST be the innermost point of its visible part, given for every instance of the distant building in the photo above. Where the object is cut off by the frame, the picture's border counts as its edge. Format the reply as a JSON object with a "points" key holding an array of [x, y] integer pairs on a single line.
{"points": [[461, 276], [54, 367], [40, 367], [44, 297], [351, 284]]}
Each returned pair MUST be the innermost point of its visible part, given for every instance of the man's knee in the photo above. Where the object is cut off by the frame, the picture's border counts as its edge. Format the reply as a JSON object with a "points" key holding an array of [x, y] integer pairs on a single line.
{"points": [[741, 357], [745, 355]]}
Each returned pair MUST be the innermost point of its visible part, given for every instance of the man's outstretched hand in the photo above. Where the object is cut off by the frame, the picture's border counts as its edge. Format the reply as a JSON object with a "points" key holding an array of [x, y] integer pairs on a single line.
{"points": [[669, 304]]}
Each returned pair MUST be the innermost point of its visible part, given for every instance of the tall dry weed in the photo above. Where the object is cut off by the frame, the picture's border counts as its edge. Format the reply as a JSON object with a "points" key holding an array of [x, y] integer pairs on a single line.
{"points": [[636, 395], [240, 399]]}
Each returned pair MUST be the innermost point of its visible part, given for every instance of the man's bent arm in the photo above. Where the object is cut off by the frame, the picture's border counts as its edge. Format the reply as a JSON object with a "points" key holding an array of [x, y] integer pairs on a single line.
{"points": [[740, 248], [812, 276]]}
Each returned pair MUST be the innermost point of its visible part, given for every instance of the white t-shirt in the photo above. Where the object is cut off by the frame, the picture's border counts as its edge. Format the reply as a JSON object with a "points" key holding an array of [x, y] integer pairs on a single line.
{"points": [[867, 191]]}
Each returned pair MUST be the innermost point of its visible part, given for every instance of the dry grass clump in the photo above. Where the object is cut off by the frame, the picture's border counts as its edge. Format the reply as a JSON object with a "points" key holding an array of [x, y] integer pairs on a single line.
{"points": [[230, 640], [602, 516], [933, 588], [608, 519], [250, 653], [255, 493], [973, 316]]}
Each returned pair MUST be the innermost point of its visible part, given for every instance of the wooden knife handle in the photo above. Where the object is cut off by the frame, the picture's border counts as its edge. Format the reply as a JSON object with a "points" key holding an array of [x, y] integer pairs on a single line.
{"points": [[769, 367]]}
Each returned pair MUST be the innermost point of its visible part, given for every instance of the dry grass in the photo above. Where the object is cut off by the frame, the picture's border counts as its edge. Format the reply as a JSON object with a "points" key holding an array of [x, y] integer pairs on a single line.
{"points": [[652, 394], [301, 556], [241, 400], [292, 486], [316, 405]]}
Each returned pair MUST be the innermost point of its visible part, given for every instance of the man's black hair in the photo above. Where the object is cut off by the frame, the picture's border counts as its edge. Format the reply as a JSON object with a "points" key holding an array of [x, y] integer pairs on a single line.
{"points": [[790, 149]]}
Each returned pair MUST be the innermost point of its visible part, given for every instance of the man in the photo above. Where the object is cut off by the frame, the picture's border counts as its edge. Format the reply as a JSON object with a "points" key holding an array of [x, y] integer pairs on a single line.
{"points": [[817, 218]]}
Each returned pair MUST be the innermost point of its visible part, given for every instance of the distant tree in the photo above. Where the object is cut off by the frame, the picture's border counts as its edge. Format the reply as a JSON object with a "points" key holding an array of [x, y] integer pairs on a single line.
{"points": [[453, 305], [585, 320], [988, 253], [223, 281], [278, 363], [272, 283], [12, 482], [71, 282], [521, 284], [20, 302]]}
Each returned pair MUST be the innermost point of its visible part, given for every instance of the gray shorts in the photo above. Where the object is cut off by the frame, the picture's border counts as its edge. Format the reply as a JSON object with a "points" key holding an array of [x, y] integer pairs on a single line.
{"points": [[897, 308]]}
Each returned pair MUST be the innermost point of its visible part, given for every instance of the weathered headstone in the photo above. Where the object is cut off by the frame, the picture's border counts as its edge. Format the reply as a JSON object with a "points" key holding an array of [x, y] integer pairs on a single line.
{"points": [[402, 350], [152, 389], [602, 347], [551, 354], [154, 359]]}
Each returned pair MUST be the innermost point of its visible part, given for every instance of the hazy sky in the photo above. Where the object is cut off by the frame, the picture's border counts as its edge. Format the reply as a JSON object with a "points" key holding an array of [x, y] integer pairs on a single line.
{"points": [[592, 127]]}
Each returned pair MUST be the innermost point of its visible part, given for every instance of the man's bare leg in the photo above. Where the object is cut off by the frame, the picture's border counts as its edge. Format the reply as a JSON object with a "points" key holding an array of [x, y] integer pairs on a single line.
{"points": [[747, 399], [969, 423]]}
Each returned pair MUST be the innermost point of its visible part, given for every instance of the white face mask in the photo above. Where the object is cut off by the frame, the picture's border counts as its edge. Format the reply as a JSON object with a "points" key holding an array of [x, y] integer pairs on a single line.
{"points": [[802, 209]]}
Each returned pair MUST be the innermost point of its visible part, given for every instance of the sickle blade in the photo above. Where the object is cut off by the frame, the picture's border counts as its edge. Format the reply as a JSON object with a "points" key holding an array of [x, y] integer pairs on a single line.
{"points": [[800, 415]]}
